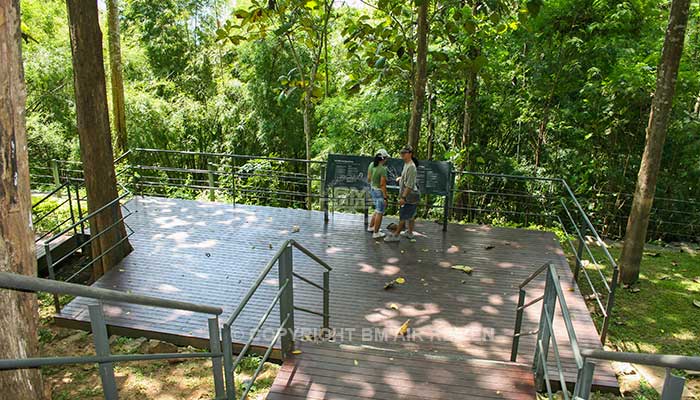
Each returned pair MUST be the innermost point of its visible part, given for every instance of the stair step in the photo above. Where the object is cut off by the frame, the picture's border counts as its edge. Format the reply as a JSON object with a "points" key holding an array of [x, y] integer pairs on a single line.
{"points": [[338, 371]]}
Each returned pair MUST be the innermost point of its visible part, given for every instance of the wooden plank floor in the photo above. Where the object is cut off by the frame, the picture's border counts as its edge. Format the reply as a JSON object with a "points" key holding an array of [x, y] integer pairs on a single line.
{"points": [[332, 371], [211, 253]]}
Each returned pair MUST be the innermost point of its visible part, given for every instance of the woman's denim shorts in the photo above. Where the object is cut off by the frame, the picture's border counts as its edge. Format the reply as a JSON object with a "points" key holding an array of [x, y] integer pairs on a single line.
{"points": [[378, 199]]}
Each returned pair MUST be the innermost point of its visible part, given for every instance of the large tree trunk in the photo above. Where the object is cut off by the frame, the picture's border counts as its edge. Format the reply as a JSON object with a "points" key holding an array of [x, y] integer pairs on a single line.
{"points": [[421, 76], [115, 66], [661, 105], [93, 131], [19, 316]]}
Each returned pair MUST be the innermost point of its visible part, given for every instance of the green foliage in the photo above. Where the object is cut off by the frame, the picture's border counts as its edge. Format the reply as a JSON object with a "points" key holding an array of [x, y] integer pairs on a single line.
{"points": [[567, 83]]}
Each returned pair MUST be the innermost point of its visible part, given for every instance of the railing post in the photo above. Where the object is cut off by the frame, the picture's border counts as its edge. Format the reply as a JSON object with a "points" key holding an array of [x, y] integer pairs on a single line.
{"points": [[54, 172], [233, 179], [518, 325], [584, 381], [101, 339], [673, 386], [609, 305], [579, 252], [286, 269], [326, 301], [210, 175], [215, 347], [324, 194], [227, 348], [52, 275], [548, 305]]}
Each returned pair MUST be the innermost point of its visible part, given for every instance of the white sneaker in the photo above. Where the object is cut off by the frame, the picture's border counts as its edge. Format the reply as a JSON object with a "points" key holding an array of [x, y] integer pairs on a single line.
{"points": [[378, 235], [370, 229], [407, 235], [392, 238]]}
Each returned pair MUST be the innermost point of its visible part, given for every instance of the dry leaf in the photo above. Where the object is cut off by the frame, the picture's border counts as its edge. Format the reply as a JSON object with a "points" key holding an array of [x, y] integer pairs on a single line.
{"points": [[356, 363], [394, 306], [296, 352], [463, 268], [425, 250], [295, 229], [489, 247], [403, 329], [397, 281]]}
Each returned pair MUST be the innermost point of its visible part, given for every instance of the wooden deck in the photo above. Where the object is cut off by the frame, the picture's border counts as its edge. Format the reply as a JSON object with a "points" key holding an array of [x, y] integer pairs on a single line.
{"points": [[211, 252]]}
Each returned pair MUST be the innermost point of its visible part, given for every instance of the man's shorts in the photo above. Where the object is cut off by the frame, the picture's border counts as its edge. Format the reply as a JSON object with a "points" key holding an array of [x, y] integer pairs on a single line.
{"points": [[408, 211], [378, 199]]}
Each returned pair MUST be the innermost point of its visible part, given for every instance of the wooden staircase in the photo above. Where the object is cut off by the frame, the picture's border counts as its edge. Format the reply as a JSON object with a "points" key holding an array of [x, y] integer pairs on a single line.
{"points": [[326, 370]]}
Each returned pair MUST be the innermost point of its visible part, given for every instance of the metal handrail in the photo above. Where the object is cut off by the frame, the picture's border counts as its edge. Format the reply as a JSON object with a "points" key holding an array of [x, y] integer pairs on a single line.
{"points": [[546, 335], [285, 299], [12, 281], [104, 358], [658, 360]]}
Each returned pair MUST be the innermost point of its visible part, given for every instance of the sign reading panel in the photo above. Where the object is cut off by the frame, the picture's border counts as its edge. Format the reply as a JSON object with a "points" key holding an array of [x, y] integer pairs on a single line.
{"points": [[350, 171]]}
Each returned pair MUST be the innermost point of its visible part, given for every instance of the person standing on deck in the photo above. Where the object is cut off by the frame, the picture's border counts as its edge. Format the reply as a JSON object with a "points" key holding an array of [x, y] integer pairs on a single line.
{"points": [[409, 197], [376, 177]]}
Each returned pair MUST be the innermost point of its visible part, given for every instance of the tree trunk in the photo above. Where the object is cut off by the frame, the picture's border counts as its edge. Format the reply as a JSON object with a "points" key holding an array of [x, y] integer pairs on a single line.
{"points": [[421, 76], [431, 123], [18, 336], [470, 95], [93, 131], [115, 66], [635, 235], [308, 108]]}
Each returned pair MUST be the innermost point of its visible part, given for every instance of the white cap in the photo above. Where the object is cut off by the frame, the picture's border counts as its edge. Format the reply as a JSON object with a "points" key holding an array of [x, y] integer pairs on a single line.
{"points": [[382, 153]]}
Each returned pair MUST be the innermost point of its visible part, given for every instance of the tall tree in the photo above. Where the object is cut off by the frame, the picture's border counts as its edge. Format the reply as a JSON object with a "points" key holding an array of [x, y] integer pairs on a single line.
{"points": [[19, 316], [302, 26], [421, 75], [115, 67], [94, 134], [635, 235]]}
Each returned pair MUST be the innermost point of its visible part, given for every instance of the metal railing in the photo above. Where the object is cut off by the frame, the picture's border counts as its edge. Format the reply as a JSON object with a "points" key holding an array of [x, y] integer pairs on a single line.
{"points": [[286, 182], [103, 357], [40, 216], [549, 203], [285, 298], [585, 367], [92, 258]]}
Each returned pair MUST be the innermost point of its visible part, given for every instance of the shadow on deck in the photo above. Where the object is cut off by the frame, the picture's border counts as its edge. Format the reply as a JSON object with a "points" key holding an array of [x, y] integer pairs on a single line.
{"points": [[211, 253]]}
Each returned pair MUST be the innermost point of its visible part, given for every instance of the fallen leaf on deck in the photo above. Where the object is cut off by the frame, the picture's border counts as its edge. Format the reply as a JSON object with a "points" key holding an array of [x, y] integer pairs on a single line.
{"points": [[571, 289], [270, 245], [391, 284], [412, 240], [296, 352], [295, 229], [403, 329], [425, 250], [463, 268], [393, 306], [489, 247], [356, 363]]}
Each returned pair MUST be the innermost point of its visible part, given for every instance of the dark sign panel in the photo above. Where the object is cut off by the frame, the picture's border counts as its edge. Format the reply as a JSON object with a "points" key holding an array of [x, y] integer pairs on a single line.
{"points": [[351, 172]]}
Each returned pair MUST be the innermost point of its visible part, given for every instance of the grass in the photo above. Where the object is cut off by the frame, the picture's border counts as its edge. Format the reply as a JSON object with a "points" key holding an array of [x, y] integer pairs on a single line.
{"points": [[657, 314], [145, 380]]}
